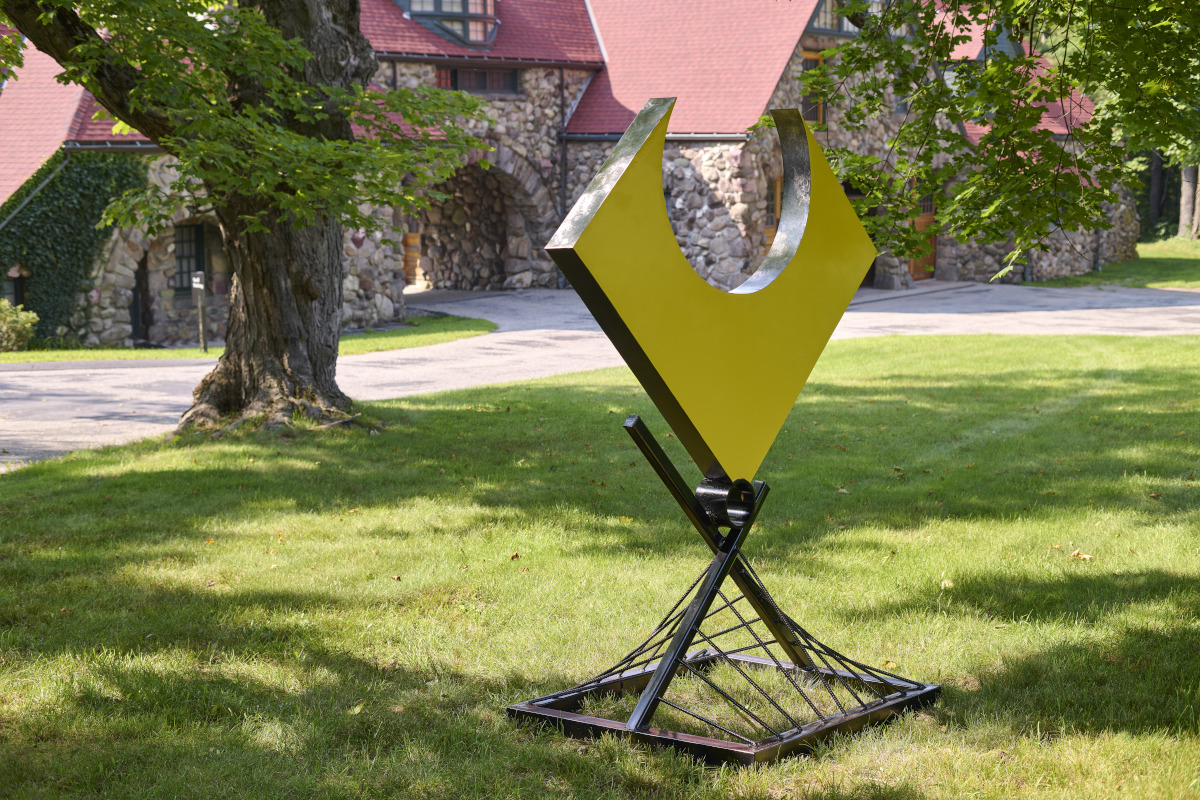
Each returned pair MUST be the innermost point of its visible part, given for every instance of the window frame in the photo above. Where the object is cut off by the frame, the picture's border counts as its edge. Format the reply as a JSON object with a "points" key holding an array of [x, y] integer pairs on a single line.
{"points": [[445, 19], [451, 78], [816, 105], [181, 279], [15, 295]]}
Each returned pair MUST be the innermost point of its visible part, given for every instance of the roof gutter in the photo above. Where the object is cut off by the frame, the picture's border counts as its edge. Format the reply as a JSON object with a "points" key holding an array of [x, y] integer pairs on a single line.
{"points": [[147, 148], [469, 61]]}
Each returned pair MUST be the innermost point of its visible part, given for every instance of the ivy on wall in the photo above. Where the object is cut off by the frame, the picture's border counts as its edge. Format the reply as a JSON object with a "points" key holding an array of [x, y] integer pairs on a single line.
{"points": [[56, 239]]}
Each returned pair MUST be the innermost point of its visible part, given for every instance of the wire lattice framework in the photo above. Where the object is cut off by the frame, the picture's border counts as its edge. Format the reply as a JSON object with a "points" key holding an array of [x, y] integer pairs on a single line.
{"points": [[756, 687]]}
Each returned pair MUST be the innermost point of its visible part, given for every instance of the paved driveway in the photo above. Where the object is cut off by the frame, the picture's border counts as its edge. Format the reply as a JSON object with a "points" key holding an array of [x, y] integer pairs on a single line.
{"points": [[51, 408]]}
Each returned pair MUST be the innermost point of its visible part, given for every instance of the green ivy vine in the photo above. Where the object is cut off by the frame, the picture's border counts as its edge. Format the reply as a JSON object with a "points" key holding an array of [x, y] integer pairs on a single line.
{"points": [[57, 237]]}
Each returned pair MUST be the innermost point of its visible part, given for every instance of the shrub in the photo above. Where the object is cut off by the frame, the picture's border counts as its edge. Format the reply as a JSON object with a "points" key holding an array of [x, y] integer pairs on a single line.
{"points": [[16, 326]]}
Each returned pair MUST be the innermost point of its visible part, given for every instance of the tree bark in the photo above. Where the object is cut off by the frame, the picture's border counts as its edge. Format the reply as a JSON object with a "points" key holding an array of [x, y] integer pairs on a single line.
{"points": [[284, 321], [1187, 202], [1195, 234], [1157, 187], [286, 294]]}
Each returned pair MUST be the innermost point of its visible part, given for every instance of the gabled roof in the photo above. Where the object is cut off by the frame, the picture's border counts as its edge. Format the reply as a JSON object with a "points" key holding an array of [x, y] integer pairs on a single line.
{"points": [[531, 31], [722, 60], [36, 115]]}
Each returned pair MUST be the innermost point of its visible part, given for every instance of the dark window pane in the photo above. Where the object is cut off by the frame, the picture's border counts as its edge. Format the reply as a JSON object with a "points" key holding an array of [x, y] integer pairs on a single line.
{"points": [[502, 80], [445, 78], [472, 80], [825, 19], [189, 254], [810, 107]]}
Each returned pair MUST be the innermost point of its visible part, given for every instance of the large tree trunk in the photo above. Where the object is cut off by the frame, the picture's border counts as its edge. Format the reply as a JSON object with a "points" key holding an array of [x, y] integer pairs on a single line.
{"points": [[282, 342], [1157, 187], [1195, 233], [286, 298], [1187, 202]]}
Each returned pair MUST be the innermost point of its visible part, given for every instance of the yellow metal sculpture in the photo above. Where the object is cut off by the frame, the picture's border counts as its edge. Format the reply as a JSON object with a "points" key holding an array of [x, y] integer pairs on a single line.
{"points": [[724, 368]]}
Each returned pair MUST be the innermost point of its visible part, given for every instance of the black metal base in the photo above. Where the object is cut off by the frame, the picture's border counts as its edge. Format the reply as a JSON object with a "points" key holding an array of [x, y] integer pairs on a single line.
{"points": [[562, 711], [791, 693]]}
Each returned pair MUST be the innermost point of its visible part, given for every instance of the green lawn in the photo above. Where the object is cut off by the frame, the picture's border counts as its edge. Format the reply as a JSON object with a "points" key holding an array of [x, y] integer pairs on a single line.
{"points": [[424, 331], [345, 613], [1166, 264]]}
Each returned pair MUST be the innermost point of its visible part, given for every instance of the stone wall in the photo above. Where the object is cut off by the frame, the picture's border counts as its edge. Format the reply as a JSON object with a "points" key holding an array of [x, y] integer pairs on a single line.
{"points": [[1066, 253], [491, 230], [373, 282]]}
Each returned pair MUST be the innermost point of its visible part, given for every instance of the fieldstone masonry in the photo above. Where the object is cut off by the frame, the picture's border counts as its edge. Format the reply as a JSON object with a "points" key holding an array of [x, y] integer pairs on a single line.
{"points": [[372, 285], [490, 231]]}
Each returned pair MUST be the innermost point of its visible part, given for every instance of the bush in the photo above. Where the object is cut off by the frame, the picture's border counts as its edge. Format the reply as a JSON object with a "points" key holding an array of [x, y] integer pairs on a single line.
{"points": [[16, 326]]}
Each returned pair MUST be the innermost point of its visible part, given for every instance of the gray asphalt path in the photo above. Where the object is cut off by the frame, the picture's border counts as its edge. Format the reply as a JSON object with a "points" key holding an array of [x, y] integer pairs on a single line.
{"points": [[51, 408]]}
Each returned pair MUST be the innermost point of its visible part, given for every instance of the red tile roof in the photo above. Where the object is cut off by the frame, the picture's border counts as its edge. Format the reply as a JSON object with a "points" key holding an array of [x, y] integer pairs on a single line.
{"points": [[555, 31], [721, 59], [36, 113], [86, 128], [1061, 118]]}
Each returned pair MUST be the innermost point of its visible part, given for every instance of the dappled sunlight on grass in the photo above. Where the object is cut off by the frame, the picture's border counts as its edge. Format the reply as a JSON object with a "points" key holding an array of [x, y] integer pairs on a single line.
{"points": [[346, 612]]}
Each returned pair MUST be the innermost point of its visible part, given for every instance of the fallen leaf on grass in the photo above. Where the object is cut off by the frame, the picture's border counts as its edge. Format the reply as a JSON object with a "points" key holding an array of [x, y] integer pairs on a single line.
{"points": [[514, 556], [843, 490], [890, 665], [1156, 496], [1001, 627], [1082, 555]]}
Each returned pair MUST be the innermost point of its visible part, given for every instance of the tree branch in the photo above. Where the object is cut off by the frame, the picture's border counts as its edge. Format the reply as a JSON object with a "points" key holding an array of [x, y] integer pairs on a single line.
{"points": [[111, 80]]}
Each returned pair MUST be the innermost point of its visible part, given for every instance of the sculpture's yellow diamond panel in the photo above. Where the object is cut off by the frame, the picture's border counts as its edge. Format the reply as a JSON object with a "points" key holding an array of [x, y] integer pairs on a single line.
{"points": [[724, 368]]}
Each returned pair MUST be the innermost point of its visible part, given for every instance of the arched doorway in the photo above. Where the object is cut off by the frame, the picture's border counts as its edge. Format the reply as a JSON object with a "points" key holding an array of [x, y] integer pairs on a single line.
{"points": [[490, 230]]}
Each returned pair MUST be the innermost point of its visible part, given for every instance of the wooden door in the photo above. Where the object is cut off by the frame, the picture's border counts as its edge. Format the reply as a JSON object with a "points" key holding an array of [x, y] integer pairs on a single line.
{"points": [[922, 268]]}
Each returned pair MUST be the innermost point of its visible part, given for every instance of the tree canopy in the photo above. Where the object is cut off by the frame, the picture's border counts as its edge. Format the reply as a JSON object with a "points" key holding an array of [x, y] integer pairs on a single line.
{"points": [[267, 106], [1039, 160], [235, 92]]}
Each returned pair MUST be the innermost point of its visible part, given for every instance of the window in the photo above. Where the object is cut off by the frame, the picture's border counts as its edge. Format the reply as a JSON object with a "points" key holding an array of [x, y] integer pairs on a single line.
{"points": [[826, 18], [472, 22], [811, 108], [14, 289], [189, 255], [774, 210], [478, 81]]}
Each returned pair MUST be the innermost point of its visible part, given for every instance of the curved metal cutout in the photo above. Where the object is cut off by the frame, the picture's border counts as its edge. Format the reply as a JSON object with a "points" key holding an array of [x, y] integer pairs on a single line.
{"points": [[678, 333], [797, 193]]}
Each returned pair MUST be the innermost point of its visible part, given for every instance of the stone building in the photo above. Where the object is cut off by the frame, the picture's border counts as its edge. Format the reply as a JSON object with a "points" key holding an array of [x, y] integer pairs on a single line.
{"points": [[560, 80]]}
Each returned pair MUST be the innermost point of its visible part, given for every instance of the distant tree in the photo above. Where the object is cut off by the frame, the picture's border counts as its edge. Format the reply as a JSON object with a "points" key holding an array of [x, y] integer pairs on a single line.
{"points": [[1139, 61], [265, 105]]}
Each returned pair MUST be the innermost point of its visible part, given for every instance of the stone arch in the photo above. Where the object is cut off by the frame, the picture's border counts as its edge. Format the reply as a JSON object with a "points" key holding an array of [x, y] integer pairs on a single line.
{"points": [[137, 295], [490, 231]]}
